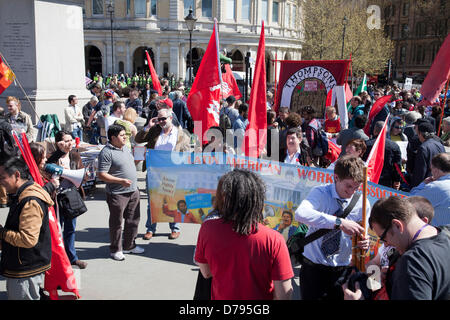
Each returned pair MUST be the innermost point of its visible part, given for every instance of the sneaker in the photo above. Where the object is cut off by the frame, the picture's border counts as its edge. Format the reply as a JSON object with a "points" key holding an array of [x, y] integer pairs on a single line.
{"points": [[80, 264], [148, 235], [135, 250], [118, 256], [174, 235]]}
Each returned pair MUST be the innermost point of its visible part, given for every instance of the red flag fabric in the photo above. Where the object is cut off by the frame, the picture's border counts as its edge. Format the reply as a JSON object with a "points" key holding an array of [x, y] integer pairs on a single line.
{"points": [[377, 107], [333, 151], [60, 275], [438, 74], [204, 98], [229, 84], [256, 133], [375, 161], [329, 100], [6, 76], [348, 93], [155, 80]]}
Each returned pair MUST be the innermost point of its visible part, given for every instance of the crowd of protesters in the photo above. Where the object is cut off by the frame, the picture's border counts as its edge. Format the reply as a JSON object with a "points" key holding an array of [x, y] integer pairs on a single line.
{"points": [[125, 110]]}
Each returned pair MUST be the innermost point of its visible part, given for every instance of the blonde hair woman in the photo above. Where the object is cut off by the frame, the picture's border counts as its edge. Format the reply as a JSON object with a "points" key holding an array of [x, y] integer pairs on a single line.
{"points": [[129, 117]]}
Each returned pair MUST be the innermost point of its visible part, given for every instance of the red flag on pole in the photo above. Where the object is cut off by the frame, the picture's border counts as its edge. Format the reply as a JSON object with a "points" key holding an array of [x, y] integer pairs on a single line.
{"points": [[229, 84], [155, 80], [256, 132], [438, 74], [348, 93], [375, 160], [60, 275], [204, 98], [6, 76], [377, 107]]}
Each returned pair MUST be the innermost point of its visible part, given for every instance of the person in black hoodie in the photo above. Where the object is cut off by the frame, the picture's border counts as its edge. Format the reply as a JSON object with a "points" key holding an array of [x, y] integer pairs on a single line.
{"points": [[390, 177], [25, 238]]}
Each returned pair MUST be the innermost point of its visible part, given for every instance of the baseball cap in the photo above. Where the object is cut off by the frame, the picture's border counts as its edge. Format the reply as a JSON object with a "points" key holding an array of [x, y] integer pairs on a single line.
{"points": [[167, 102], [109, 93]]}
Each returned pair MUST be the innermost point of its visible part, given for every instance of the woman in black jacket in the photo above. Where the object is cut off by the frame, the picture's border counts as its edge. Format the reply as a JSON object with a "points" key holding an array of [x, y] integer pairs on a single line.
{"points": [[69, 159]]}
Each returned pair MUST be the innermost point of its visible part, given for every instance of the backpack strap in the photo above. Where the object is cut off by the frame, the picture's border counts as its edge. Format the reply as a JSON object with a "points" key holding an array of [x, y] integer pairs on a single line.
{"points": [[321, 232]]}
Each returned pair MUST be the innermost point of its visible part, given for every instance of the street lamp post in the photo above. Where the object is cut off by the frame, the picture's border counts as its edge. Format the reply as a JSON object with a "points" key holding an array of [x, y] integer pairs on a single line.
{"points": [[110, 9], [190, 24], [344, 23]]}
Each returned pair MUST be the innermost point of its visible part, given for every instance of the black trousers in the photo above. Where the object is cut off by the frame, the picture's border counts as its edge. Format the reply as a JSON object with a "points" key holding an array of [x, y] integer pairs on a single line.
{"points": [[318, 282]]}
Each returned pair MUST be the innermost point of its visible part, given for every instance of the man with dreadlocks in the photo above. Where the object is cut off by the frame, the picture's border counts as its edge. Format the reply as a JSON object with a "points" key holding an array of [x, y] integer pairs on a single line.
{"points": [[246, 260]]}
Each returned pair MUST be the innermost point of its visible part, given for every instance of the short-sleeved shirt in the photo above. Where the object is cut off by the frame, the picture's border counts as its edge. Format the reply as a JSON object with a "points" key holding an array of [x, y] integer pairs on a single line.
{"points": [[242, 267], [120, 164]]}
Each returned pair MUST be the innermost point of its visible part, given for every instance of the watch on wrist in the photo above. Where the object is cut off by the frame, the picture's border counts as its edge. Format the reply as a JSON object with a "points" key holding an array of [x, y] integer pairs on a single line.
{"points": [[337, 223]]}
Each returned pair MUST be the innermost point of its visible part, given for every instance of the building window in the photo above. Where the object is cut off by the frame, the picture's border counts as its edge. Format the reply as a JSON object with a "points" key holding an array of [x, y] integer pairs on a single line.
{"points": [[230, 9], [245, 14], [140, 7], [97, 7], [128, 7], [153, 7], [264, 11], [189, 4], [420, 56], [294, 17], [207, 8], [287, 15], [403, 54], [405, 9], [405, 31], [275, 11]]}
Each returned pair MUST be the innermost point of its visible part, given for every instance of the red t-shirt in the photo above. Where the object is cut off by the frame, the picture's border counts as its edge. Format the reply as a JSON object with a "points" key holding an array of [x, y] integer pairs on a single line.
{"points": [[242, 267], [333, 126]]}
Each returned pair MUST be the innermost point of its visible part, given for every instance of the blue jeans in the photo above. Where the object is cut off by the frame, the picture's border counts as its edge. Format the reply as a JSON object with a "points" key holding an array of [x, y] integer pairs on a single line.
{"points": [[151, 227], [68, 227], [78, 133]]}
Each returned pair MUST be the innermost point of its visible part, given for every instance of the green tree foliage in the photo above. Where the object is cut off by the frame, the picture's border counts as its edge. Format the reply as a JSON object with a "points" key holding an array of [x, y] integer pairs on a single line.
{"points": [[322, 26]]}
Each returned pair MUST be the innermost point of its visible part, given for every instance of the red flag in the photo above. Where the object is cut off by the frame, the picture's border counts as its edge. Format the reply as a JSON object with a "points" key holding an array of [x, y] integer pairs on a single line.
{"points": [[229, 84], [256, 132], [375, 161], [329, 100], [377, 107], [438, 74], [61, 273], [6, 76], [348, 93], [204, 98], [155, 80]]}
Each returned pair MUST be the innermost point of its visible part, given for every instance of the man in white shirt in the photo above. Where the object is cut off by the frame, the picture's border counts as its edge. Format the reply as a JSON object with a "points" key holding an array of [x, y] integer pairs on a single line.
{"points": [[118, 111], [327, 258], [294, 153], [162, 134], [73, 118]]}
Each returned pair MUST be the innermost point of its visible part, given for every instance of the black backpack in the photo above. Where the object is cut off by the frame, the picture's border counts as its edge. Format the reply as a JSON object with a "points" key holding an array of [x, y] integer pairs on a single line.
{"points": [[224, 121], [321, 148], [8, 147]]}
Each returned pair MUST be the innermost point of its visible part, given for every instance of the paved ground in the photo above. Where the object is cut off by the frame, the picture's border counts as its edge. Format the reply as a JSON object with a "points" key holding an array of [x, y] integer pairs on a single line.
{"points": [[164, 272]]}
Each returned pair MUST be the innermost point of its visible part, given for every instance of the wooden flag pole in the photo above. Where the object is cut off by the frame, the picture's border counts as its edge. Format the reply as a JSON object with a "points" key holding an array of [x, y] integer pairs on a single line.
{"points": [[438, 133], [359, 255]]}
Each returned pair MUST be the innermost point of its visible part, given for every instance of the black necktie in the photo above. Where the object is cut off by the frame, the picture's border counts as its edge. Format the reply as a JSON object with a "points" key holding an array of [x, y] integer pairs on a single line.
{"points": [[332, 240]]}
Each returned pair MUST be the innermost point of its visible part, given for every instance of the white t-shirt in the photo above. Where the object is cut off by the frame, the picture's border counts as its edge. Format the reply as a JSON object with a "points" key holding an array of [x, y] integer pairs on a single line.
{"points": [[167, 141]]}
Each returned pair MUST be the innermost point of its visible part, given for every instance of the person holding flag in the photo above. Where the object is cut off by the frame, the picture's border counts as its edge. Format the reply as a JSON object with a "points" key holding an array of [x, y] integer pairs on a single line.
{"points": [[25, 238], [386, 156]]}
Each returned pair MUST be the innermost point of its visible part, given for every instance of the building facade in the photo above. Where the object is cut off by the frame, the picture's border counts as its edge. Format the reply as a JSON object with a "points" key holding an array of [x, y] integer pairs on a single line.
{"points": [[418, 32], [159, 27]]}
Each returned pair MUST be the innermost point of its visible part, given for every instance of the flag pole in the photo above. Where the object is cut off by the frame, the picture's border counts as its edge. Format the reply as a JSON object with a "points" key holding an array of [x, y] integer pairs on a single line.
{"points": [[20, 85], [443, 107], [359, 255], [276, 84]]}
